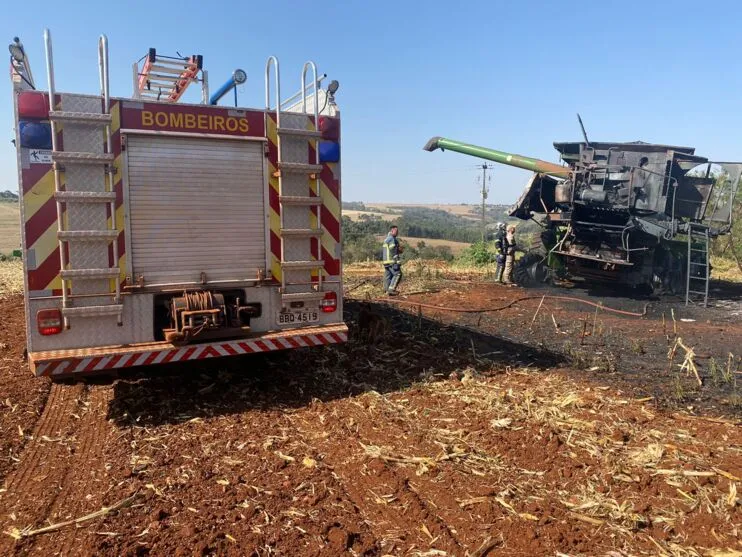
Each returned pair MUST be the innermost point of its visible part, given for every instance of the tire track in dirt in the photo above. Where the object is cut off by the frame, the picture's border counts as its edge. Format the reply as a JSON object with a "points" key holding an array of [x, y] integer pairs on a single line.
{"points": [[387, 500], [22, 394], [32, 488], [81, 495], [411, 520]]}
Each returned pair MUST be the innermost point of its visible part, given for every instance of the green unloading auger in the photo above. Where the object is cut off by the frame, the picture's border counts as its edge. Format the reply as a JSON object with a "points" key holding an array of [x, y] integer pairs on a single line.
{"points": [[519, 161]]}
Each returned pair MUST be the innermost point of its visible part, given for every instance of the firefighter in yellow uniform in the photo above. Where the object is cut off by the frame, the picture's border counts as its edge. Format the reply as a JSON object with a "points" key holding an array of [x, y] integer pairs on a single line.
{"points": [[390, 256]]}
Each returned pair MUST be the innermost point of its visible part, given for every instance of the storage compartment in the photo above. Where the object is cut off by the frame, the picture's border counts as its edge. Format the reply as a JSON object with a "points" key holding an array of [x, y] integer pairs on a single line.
{"points": [[197, 209]]}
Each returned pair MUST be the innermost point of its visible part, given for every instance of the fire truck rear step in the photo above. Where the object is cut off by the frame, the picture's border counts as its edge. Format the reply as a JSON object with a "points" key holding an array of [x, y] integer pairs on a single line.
{"points": [[302, 232], [87, 235], [299, 167], [299, 133], [85, 196], [93, 311], [90, 274], [299, 200], [302, 297], [93, 118], [303, 265], [81, 158]]}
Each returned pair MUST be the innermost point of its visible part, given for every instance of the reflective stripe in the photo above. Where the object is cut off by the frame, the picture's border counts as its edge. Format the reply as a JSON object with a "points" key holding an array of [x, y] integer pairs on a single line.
{"points": [[386, 246], [387, 258]]}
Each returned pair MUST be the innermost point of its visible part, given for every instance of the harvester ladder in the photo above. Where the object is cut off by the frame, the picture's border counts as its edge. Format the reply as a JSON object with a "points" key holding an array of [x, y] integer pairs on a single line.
{"points": [[166, 78], [698, 272], [298, 201], [77, 128]]}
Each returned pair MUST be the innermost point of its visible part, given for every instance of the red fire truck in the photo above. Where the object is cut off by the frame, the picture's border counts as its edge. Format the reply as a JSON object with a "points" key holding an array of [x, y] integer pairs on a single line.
{"points": [[156, 231]]}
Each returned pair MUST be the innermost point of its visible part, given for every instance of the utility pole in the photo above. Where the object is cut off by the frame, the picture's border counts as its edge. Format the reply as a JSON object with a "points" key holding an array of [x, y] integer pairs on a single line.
{"points": [[485, 190]]}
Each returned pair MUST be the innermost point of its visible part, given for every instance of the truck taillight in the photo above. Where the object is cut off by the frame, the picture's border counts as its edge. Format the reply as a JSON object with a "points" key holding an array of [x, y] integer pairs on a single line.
{"points": [[49, 321], [329, 303]]}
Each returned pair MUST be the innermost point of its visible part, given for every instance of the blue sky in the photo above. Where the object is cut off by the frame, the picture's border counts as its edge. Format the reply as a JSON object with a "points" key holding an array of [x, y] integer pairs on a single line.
{"points": [[509, 75]]}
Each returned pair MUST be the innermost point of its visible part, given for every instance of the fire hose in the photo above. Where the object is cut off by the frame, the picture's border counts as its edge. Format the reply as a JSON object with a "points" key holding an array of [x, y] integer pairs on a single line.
{"points": [[524, 298], [198, 301]]}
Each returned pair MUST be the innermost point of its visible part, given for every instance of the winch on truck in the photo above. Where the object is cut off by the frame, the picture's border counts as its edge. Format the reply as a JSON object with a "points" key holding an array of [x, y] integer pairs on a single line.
{"points": [[158, 231]]}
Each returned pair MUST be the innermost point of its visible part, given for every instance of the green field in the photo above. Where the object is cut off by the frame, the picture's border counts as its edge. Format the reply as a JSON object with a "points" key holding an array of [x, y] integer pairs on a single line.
{"points": [[10, 230]]}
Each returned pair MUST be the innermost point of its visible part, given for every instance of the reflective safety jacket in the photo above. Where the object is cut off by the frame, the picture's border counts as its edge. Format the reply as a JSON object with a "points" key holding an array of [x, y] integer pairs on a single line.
{"points": [[390, 250]]}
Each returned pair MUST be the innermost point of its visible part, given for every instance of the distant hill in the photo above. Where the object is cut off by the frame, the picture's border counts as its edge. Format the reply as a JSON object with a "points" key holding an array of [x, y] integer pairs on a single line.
{"points": [[8, 196]]}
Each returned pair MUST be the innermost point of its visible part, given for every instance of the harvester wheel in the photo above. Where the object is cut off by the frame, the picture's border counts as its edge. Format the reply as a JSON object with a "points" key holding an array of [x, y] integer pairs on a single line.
{"points": [[530, 269]]}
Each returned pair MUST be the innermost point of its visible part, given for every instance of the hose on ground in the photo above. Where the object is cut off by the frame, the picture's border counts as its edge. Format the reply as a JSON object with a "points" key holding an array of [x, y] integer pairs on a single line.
{"points": [[524, 298]]}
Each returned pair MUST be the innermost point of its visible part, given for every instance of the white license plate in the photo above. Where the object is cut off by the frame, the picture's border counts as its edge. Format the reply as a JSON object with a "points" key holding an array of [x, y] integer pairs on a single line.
{"points": [[298, 318]]}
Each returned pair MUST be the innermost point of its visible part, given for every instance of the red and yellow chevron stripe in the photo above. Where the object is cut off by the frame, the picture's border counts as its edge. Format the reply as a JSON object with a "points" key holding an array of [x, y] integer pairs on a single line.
{"points": [[40, 223], [118, 187]]}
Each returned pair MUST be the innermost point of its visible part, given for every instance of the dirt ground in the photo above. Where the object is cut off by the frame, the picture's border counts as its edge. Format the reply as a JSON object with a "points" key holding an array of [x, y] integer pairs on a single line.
{"points": [[431, 433]]}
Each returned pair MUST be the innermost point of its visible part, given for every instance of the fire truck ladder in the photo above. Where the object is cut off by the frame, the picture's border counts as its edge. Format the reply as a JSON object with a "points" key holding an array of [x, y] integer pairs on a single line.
{"points": [[697, 285], [83, 198], [166, 78], [298, 201]]}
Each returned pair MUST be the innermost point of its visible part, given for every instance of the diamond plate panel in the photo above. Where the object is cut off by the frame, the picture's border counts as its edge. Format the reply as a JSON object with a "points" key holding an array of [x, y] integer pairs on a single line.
{"points": [[304, 277], [82, 138], [84, 177], [138, 324], [78, 137], [86, 216], [295, 216], [295, 149], [296, 249], [82, 103], [296, 121], [294, 184]]}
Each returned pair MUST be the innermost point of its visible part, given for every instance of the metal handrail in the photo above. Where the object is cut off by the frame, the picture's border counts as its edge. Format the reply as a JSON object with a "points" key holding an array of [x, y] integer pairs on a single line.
{"points": [[313, 66], [103, 70], [273, 61], [317, 182], [57, 177], [110, 170]]}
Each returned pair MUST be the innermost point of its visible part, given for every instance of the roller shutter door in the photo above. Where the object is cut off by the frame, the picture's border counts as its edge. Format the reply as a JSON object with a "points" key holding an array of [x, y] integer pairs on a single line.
{"points": [[196, 206]]}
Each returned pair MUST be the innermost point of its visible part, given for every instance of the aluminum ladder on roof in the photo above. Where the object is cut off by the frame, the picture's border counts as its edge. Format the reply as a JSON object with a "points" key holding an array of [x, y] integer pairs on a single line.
{"points": [[299, 189], [82, 197], [699, 270], [166, 78]]}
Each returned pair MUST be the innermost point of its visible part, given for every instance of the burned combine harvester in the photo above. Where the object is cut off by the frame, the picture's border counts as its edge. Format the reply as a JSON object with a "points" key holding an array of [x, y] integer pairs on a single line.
{"points": [[634, 214]]}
